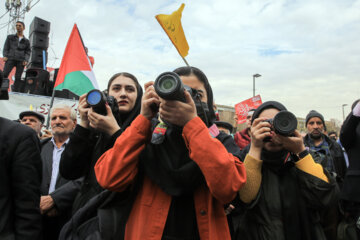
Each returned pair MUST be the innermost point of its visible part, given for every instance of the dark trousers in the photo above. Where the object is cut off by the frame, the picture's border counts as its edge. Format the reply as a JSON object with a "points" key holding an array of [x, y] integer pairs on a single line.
{"points": [[9, 65]]}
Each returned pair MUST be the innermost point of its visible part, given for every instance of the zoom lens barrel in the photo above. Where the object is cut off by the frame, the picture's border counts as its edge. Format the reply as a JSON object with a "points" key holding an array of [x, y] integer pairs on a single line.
{"points": [[285, 123], [169, 86]]}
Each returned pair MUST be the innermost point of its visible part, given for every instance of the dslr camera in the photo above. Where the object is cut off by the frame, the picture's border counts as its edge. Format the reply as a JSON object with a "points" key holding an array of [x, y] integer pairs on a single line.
{"points": [[284, 123], [169, 86], [97, 101]]}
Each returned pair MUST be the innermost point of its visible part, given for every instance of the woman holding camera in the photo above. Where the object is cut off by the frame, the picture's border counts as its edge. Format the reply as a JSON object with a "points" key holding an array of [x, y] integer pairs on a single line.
{"points": [[286, 190], [96, 133], [187, 178]]}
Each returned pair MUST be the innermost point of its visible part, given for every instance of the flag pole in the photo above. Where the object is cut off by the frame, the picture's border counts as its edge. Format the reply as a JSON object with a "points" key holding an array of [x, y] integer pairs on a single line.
{"points": [[187, 64]]}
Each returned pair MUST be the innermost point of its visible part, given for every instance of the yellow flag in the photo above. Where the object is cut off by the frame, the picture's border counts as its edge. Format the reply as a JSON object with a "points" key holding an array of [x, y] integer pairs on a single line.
{"points": [[172, 26]]}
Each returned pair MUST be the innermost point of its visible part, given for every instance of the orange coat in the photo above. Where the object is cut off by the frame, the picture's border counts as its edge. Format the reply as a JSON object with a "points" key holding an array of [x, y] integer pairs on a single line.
{"points": [[224, 175]]}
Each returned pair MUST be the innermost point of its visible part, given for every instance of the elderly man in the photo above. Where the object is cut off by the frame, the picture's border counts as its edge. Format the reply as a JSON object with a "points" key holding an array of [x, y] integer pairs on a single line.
{"points": [[57, 193], [32, 119]]}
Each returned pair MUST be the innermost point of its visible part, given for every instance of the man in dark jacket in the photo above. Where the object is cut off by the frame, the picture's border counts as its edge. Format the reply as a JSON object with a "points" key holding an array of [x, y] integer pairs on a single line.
{"points": [[57, 193], [20, 177], [32, 119], [350, 138], [16, 54], [329, 152]]}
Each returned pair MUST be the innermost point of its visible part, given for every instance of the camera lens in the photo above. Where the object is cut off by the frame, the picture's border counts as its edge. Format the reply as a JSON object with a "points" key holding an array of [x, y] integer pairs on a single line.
{"points": [[285, 123], [93, 97], [167, 84]]}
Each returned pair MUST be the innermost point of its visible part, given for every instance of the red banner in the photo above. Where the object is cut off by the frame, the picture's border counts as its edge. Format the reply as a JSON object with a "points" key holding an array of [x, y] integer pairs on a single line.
{"points": [[242, 108]]}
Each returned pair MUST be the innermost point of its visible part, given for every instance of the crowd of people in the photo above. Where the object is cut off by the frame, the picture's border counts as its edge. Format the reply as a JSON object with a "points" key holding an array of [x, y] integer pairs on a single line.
{"points": [[166, 169]]}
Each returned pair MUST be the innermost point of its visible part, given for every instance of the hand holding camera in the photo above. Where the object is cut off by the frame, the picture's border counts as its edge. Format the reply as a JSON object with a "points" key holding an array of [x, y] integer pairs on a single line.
{"points": [[293, 144], [104, 123], [259, 131], [83, 109], [97, 111], [150, 101], [178, 112]]}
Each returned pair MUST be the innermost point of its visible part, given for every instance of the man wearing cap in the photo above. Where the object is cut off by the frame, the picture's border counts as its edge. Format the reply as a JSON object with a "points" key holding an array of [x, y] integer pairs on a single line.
{"points": [[326, 151], [224, 127], [32, 119], [242, 138]]}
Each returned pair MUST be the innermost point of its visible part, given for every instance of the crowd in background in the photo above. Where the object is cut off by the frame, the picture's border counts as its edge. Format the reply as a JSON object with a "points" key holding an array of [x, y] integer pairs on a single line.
{"points": [[156, 168]]}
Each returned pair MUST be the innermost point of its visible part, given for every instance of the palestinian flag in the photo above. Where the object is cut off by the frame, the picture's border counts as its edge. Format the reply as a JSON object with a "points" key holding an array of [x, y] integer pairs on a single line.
{"points": [[75, 73]]}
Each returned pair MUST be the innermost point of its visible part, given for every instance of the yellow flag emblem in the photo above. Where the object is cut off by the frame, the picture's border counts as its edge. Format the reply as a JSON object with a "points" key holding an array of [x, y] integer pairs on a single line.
{"points": [[172, 26]]}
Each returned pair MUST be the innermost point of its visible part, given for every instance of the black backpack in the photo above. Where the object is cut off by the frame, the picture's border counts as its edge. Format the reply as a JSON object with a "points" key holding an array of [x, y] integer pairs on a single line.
{"points": [[104, 217]]}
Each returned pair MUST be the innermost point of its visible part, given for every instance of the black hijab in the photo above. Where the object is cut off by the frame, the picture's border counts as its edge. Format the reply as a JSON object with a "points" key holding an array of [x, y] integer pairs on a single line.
{"points": [[125, 119], [168, 164], [295, 217]]}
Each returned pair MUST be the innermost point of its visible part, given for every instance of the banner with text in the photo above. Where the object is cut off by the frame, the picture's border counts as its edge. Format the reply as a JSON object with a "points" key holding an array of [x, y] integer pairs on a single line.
{"points": [[242, 108], [19, 102]]}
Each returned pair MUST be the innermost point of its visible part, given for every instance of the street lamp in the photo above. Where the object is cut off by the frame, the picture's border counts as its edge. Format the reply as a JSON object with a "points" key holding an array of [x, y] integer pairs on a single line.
{"points": [[343, 111], [255, 76]]}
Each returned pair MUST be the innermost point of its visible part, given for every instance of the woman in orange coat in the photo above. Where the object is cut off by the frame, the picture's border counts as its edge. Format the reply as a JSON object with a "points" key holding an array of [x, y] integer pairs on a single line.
{"points": [[186, 179]]}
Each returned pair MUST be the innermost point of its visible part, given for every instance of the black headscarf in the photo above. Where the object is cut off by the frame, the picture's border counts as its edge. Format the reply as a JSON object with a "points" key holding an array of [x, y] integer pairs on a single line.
{"points": [[125, 119], [168, 164], [295, 217]]}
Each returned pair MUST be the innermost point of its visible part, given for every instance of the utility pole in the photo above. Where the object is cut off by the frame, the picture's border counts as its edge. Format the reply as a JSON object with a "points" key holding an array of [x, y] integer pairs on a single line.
{"points": [[17, 10], [255, 76]]}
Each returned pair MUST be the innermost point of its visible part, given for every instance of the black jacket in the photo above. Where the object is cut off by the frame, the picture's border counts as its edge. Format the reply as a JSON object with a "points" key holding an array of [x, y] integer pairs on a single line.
{"points": [[65, 190], [79, 158], [336, 153], [262, 219], [20, 177], [15, 50], [350, 139]]}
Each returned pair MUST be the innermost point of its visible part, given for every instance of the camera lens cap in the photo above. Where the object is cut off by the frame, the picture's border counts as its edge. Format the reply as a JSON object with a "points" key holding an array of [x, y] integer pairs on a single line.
{"points": [[93, 97]]}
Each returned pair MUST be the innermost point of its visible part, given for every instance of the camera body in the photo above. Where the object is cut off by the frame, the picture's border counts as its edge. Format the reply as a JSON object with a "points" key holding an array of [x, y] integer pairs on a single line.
{"points": [[97, 101], [169, 86], [284, 123]]}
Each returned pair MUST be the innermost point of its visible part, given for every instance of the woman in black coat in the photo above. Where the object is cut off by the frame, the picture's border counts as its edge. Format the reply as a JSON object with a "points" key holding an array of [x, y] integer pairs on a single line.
{"points": [[97, 133]]}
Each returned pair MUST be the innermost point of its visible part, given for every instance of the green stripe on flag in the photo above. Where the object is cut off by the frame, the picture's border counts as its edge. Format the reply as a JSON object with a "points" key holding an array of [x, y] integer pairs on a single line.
{"points": [[76, 82]]}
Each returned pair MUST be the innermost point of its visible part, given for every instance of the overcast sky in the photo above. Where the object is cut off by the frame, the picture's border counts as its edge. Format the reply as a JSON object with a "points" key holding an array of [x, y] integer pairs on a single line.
{"points": [[308, 51]]}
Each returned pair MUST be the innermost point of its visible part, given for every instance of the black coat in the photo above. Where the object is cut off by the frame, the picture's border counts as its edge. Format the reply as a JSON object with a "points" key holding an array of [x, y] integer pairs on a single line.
{"points": [[20, 177], [350, 139], [79, 159], [63, 195], [15, 50], [262, 219], [65, 190]]}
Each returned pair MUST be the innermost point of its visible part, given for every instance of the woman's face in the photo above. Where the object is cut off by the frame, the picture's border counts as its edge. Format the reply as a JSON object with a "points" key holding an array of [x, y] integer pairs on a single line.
{"points": [[193, 82], [124, 90]]}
